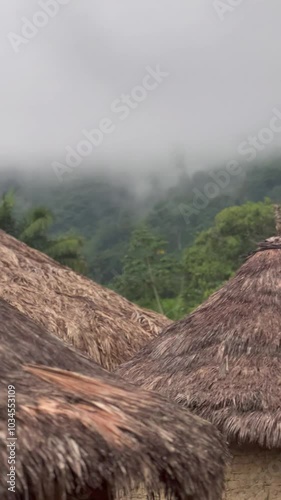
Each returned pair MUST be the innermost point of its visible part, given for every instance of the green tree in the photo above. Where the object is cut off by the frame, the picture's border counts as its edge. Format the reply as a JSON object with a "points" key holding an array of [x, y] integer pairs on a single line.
{"points": [[7, 219], [219, 251], [149, 273], [67, 249], [34, 230], [105, 250]]}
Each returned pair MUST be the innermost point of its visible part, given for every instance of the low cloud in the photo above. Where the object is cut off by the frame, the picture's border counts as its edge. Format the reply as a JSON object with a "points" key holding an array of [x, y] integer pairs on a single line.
{"points": [[224, 79]]}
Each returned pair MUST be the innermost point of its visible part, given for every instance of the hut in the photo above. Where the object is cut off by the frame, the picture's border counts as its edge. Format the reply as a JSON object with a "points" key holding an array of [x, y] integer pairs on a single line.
{"points": [[71, 436], [222, 362], [95, 320]]}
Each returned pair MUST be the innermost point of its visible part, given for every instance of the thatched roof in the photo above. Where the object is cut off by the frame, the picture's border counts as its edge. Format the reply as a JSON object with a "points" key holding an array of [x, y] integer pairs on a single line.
{"points": [[77, 434], [100, 323], [223, 360]]}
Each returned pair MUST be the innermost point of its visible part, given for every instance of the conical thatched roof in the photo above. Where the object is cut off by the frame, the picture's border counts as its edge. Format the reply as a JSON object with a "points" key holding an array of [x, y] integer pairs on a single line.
{"points": [[77, 434], [100, 323], [223, 360]]}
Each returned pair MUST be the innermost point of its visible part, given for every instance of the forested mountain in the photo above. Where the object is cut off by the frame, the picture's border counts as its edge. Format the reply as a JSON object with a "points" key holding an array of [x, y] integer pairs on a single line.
{"points": [[167, 249]]}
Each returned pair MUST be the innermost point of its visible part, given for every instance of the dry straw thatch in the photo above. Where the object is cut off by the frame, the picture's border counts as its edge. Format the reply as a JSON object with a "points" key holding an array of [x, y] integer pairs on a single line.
{"points": [[85, 438], [223, 360], [95, 320]]}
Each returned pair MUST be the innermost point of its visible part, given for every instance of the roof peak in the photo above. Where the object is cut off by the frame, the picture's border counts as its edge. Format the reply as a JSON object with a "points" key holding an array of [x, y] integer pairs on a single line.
{"points": [[273, 243], [277, 213]]}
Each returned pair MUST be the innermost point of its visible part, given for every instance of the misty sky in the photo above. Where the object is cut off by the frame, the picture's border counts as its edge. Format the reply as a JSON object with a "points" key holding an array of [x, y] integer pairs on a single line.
{"points": [[224, 77]]}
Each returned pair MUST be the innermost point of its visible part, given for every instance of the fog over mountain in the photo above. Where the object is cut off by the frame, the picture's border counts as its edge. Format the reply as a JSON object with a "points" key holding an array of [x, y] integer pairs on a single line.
{"points": [[221, 80]]}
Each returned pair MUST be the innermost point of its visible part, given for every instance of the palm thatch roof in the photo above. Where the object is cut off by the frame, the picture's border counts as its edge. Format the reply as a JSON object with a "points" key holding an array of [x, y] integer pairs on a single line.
{"points": [[223, 360], [83, 438], [95, 320]]}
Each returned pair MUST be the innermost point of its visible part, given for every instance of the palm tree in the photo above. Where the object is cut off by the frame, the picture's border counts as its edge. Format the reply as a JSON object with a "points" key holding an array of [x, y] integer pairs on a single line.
{"points": [[67, 250], [34, 228], [7, 219]]}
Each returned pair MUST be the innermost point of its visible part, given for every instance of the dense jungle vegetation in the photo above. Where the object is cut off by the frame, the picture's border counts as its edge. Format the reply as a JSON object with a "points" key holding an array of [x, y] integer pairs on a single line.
{"points": [[164, 249]]}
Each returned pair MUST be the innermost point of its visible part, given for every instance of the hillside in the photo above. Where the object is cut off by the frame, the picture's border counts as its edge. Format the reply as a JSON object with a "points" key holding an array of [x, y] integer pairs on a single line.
{"points": [[115, 220]]}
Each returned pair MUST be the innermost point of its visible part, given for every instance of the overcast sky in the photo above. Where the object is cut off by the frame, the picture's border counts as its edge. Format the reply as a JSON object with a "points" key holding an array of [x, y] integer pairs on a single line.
{"points": [[224, 77]]}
